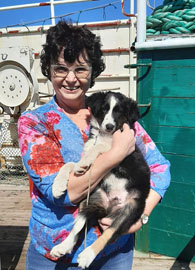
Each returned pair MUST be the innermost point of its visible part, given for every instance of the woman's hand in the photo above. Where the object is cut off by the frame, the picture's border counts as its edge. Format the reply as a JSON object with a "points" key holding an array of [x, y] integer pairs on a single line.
{"points": [[106, 222], [123, 143]]}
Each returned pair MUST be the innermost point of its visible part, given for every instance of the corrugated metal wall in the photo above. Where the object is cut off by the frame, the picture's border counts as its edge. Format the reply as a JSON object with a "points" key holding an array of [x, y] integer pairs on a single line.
{"points": [[169, 86]]}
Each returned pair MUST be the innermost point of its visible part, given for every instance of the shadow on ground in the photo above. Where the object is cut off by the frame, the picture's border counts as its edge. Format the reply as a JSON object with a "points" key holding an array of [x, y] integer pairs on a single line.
{"points": [[12, 240]]}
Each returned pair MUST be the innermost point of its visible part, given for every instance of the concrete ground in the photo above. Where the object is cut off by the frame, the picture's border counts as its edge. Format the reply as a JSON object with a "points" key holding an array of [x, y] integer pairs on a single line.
{"points": [[151, 261]]}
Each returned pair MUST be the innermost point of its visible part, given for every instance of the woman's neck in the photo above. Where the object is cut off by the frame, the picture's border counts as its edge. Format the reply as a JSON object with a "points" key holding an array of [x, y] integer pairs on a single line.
{"points": [[80, 118], [79, 115], [71, 107]]}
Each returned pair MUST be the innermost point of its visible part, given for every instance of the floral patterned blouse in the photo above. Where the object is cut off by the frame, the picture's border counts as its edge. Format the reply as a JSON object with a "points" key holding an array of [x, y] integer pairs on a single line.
{"points": [[49, 139]]}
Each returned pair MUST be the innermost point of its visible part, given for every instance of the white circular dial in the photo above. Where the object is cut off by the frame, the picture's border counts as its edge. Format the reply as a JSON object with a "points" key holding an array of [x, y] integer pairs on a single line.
{"points": [[14, 85]]}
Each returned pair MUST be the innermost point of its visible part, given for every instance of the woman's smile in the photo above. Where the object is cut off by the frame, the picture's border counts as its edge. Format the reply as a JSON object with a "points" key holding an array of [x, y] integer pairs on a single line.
{"points": [[71, 88]]}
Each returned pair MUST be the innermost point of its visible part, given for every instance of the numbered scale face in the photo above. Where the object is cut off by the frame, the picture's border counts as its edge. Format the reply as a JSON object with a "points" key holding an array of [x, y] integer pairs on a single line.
{"points": [[14, 86]]}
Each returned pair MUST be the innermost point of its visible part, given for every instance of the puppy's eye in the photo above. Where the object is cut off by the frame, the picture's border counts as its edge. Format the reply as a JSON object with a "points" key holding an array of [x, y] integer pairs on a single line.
{"points": [[116, 108], [105, 108]]}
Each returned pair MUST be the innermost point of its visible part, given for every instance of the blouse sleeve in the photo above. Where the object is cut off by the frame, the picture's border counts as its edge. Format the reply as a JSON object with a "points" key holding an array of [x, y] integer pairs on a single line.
{"points": [[40, 149], [159, 166]]}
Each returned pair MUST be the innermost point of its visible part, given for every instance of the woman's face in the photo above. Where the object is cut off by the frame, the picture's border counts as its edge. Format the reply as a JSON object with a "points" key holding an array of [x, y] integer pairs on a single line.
{"points": [[71, 81]]}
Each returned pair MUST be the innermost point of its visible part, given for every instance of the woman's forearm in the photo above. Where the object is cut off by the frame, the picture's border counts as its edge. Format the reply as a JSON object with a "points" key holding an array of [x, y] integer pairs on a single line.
{"points": [[78, 184], [152, 200]]}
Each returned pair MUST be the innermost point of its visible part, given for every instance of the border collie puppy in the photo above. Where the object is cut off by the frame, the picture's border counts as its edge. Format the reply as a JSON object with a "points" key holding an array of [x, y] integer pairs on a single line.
{"points": [[122, 193]]}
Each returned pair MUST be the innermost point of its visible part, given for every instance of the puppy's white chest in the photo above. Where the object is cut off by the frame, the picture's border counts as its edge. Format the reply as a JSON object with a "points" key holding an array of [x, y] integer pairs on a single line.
{"points": [[116, 189], [98, 140], [104, 139]]}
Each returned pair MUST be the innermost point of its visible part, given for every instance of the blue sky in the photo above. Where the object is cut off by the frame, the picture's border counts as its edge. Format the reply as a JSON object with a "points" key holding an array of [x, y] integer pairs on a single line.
{"points": [[23, 16]]}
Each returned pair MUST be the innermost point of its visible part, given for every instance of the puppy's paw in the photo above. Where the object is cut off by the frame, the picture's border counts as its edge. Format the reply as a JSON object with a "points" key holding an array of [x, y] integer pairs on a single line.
{"points": [[80, 170], [60, 250], [58, 191], [60, 182], [86, 257], [82, 166]]}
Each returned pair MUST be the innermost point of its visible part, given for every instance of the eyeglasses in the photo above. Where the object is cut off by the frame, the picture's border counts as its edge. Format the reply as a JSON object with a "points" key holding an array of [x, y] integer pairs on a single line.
{"points": [[61, 71]]}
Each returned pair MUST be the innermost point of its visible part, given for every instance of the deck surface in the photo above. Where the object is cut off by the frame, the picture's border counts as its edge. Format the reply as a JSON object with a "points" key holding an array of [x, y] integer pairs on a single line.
{"points": [[15, 210]]}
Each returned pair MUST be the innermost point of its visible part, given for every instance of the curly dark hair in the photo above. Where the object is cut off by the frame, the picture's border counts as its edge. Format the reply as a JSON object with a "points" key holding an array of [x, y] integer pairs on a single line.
{"points": [[74, 40]]}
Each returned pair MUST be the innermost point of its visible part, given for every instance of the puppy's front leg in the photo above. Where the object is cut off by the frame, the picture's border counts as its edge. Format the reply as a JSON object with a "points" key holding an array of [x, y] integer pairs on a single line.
{"points": [[60, 182], [89, 157]]}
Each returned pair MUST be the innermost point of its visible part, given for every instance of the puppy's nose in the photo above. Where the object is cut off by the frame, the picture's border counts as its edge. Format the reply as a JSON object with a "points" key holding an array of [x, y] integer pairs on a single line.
{"points": [[109, 127]]}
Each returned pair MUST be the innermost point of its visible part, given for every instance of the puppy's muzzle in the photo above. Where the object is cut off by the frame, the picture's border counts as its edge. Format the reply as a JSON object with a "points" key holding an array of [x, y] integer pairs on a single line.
{"points": [[110, 127]]}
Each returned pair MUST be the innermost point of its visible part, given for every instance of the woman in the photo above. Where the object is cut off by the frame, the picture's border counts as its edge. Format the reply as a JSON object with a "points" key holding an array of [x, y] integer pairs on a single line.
{"points": [[54, 134]]}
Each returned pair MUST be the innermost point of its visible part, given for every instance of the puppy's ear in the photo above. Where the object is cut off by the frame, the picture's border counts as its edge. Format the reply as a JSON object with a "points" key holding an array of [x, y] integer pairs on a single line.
{"points": [[95, 101], [133, 111]]}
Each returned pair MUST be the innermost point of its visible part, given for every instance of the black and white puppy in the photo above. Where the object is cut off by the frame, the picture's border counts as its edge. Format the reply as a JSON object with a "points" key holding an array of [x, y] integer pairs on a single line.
{"points": [[122, 193]]}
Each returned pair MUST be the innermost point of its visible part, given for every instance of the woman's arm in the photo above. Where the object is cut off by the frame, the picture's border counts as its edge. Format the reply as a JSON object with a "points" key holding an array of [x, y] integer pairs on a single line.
{"points": [[152, 200]]}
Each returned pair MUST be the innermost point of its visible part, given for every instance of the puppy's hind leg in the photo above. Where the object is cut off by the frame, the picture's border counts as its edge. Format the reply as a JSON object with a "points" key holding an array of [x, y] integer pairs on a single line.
{"points": [[67, 245], [87, 256]]}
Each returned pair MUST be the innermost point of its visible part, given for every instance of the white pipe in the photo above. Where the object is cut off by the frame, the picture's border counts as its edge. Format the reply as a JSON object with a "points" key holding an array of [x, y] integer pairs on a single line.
{"points": [[170, 43], [132, 9], [42, 4], [52, 12], [71, 1], [110, 76], [132, 60], [141, 21], [20, 6]]}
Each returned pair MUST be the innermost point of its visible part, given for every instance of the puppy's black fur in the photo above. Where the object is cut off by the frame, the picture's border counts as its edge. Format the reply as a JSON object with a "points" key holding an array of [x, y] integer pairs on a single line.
{"points": [[133, 168]]}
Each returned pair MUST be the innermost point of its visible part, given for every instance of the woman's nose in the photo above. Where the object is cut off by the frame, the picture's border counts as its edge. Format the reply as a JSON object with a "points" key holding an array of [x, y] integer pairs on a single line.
{"points": [[71, 76]]}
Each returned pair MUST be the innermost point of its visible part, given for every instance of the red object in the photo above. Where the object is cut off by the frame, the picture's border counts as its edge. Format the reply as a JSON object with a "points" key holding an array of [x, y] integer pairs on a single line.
{"points": [[30, 186], [44, 4]]}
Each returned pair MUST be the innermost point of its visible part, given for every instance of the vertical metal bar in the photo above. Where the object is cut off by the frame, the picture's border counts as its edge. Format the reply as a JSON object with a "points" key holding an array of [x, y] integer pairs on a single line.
{"points": [[132, 60], [52, 12], [141, 21], [132, 9]]}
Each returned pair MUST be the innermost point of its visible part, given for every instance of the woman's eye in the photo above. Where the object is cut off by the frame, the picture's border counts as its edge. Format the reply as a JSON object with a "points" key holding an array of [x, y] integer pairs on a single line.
{"points": [[80, 69], [61, 69]]}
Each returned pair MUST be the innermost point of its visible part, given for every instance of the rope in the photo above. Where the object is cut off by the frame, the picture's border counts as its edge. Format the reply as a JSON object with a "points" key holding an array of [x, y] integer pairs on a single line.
{"points": [[87, 202], [172, 17]]}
